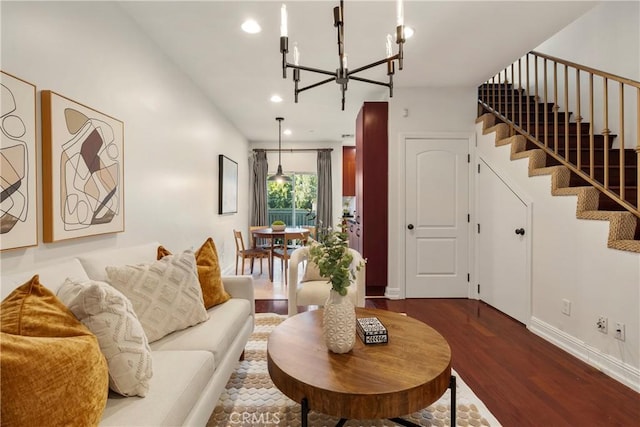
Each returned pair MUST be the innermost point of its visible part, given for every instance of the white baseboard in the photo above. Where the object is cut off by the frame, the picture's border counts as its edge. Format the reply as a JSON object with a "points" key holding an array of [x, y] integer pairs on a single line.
{"points": [[392, 293], [615, 368]]}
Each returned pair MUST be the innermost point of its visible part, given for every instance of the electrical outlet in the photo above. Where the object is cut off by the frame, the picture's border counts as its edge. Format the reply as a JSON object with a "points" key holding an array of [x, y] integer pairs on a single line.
{"points": [[619, 332], [601, 324], [566, 307]]}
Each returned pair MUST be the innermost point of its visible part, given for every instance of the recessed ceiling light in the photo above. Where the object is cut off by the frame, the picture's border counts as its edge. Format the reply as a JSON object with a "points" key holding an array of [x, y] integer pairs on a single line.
{"points": [[276, 98], [250, 26], [287, 131]]}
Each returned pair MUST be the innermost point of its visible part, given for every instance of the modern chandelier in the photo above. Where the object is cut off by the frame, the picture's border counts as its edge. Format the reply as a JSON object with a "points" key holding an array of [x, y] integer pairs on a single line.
{"points": [[342, 74], [279, 176]]}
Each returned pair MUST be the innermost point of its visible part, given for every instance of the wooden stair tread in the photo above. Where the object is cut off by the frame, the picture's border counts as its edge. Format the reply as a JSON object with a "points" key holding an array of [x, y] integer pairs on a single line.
{"points": [[572, 139]]}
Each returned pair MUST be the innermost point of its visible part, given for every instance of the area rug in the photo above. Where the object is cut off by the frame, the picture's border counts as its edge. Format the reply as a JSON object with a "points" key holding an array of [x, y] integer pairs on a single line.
{"points": [[251, 400]]}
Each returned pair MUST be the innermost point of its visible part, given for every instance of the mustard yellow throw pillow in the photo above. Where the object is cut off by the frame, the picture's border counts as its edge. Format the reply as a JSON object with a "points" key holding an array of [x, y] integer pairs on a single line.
{"points": [[53, 372], [209, 274]]}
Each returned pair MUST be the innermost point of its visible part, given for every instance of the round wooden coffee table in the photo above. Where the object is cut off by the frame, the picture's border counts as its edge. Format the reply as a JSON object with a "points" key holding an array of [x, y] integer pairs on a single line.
{"points": [[372, 381]]}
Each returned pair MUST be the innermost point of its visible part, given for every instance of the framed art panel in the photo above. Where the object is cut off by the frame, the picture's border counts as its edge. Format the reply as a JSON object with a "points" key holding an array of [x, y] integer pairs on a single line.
{"points": [[83, 170], [227, 185], [19, 217]]}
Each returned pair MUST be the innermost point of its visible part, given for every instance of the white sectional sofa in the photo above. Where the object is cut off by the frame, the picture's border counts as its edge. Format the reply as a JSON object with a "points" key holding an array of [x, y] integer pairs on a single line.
{"points": [[190, 367]]}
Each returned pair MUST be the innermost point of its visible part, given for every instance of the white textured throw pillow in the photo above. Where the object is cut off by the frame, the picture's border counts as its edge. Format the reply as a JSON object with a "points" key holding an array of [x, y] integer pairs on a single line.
{"points": [[165, 294], [110, 316], [312, 273]]}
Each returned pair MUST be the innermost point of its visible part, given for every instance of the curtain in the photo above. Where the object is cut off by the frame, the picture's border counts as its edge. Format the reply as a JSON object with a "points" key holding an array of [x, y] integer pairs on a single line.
{"points": [[259, 205], [324, 220]]}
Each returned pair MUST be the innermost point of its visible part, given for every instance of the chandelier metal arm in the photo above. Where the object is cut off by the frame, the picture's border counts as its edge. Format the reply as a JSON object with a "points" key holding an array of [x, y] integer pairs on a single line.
{"points": [[317, 84], [313, 70], [362, 79], [373, 64]]}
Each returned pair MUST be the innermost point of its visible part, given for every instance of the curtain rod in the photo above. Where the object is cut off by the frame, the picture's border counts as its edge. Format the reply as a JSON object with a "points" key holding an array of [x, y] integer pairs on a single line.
{"points": [[290, 150]]}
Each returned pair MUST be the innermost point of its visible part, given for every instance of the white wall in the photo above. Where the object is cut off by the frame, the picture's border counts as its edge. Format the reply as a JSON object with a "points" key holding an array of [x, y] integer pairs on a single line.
{"points": [[606, 38], [306, 162], [428, 111], [570, 260], [94, 54]]}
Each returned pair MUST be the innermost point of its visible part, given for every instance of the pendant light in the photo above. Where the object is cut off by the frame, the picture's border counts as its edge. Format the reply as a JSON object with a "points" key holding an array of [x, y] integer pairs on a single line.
{"points": [[279, 176]]}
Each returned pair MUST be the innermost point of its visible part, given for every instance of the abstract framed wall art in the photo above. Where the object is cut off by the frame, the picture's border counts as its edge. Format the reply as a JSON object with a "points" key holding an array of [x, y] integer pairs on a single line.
{"points": [[83, 170], [18, 201], [227, 185]]}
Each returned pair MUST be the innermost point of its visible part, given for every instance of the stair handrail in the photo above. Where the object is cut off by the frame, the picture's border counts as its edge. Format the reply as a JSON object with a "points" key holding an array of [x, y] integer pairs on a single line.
{"points": [[595, 71], [490, 100]]}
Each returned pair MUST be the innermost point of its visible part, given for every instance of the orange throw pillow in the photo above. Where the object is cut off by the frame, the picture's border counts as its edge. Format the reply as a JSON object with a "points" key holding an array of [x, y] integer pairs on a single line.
{"points": [[53, 372], [209, 274]]}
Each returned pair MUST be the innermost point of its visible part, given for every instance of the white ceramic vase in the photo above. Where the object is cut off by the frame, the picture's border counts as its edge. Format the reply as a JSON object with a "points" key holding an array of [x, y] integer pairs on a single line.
{"points": [[339, 323]]}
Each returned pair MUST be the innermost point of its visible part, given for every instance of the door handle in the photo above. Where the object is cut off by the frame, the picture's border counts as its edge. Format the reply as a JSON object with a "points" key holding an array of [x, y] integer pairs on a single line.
{"points": [[520, 231], [410, 226]]}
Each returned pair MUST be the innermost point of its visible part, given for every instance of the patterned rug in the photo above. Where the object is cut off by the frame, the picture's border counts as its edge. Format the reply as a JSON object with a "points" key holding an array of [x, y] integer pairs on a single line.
{"points": [[251, 400]]}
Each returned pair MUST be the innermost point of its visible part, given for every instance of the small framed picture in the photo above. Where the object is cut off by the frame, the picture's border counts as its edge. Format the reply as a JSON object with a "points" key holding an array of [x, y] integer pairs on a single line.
{"points": [[227, 186]]}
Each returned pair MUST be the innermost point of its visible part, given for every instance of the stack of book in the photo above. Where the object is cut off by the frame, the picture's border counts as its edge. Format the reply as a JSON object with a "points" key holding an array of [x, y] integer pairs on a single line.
{"points": [[371, 330]]}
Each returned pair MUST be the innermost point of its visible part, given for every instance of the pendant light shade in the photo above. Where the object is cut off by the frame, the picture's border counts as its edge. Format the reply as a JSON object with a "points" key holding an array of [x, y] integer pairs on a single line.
{"points": [[279, 176]]}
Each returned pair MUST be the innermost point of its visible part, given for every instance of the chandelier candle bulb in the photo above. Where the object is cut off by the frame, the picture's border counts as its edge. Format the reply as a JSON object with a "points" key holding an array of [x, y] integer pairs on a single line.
{"points": [[389, 48], [296, 54], [283, 21], [400, 13]]}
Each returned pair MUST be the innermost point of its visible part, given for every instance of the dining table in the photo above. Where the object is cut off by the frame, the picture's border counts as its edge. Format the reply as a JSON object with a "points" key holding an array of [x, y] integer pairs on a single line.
{"points": [[289, 233]]}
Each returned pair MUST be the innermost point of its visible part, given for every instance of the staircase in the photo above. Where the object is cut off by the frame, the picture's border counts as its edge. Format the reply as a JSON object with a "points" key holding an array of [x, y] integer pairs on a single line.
{"points": [[603, 176]]}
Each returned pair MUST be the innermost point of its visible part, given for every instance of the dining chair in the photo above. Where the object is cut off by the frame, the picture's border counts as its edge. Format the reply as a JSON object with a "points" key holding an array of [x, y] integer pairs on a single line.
{"points": [[250, 253], [284, 252], [258, 243], [312, 231]]}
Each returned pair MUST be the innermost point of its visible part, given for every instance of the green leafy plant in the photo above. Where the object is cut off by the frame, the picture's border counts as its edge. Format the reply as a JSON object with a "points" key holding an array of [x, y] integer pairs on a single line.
{"points": [[278, 222], [334, 260]]}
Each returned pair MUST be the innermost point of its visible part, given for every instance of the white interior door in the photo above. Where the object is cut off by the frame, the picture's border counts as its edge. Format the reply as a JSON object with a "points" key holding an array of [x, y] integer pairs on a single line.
{"points": [[503, 240], [437, 208]]}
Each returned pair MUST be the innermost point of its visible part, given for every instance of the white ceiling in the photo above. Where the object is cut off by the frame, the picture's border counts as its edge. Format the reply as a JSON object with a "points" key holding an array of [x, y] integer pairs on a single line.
{"points": [[457, 43]]}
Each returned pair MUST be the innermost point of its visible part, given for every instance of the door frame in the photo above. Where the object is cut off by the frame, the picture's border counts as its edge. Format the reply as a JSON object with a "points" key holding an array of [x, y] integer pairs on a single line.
{"points": [[528, 201], [399, 290]]}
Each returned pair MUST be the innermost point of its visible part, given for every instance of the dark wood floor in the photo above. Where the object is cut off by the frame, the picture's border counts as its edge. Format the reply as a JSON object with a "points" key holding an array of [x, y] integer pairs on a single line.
{"points": [[523, 380]]}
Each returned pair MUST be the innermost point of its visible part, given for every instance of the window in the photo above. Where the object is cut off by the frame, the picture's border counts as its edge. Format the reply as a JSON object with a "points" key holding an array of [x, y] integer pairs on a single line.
{"points": [[293, 202]]}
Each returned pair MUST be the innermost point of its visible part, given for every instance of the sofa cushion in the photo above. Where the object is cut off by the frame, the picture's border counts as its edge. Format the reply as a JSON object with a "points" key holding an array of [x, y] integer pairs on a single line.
{"points": [[52, 275], [312, 273], [179, 378], [215, 335], [110, 316], [209, 276], [165, 294], [96, 262], [311, 270], [53, 372]]}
